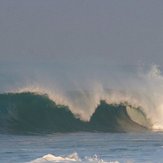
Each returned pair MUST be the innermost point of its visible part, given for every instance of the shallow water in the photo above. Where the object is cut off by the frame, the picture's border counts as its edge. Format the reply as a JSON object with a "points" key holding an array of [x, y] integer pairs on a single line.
{"points": [[109, 147]]}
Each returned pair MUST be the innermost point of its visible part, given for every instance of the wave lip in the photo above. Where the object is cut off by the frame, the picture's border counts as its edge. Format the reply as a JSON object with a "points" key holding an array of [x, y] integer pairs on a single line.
{"points": [[34, 113]]}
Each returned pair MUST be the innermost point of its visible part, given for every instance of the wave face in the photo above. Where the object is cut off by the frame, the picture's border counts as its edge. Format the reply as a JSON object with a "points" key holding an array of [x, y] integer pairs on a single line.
{"points": [[28, 112]]}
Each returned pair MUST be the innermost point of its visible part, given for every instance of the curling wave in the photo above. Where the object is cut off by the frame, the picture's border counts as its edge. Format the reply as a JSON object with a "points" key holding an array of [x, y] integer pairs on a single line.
{"points": [[29, 112]]}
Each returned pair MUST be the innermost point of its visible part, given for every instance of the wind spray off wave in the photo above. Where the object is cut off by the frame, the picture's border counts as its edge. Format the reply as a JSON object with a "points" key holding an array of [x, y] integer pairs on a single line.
{"points": [[138, 107]]}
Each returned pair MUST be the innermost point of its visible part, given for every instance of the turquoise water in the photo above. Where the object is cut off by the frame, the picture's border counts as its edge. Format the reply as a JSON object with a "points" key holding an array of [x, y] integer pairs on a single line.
{"points": [[83, 147]]}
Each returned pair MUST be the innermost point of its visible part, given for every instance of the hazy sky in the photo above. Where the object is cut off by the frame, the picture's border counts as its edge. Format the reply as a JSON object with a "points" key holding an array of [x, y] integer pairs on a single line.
{"points": [[116, 32]]}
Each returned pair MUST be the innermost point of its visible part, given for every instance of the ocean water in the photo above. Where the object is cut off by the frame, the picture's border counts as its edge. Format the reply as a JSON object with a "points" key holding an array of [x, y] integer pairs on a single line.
{"points": [[124, 124], [82, 147]]}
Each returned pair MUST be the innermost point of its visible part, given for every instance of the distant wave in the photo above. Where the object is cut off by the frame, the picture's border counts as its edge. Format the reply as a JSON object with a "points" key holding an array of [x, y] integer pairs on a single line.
{"points": [[29, 112]]}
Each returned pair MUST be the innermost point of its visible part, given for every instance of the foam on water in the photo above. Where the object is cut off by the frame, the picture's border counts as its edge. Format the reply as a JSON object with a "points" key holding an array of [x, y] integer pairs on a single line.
{"points": [[49, 158]]}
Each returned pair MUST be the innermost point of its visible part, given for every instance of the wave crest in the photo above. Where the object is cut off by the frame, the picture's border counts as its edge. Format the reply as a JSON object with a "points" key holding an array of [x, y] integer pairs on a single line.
{"points": [[29, 112]]}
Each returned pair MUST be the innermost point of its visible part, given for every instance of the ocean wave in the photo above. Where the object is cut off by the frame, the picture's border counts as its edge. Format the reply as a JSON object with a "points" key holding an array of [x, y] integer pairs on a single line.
{"points": [[29, 112], [69, 159]]}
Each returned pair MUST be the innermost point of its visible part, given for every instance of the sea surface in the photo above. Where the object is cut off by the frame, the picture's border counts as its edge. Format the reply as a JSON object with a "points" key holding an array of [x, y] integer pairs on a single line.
{"points": [[82, 147]]}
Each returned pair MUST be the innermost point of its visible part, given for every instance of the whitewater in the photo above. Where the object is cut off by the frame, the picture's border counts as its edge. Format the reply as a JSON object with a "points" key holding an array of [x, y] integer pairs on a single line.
{"points": [[122, 123]]}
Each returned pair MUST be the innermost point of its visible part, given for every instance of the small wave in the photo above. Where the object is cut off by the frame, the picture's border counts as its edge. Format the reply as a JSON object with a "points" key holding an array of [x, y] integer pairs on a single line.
{"points": [[70, 158], [34, 113]]}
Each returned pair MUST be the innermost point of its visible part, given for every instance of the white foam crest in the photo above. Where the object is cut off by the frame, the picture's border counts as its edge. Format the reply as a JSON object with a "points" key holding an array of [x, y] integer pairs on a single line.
{"points": [[52, 158], [49, 158]]}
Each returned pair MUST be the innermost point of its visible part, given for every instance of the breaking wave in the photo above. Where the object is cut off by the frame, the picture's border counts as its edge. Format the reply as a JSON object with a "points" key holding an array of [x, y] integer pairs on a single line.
{"points": [[29, 112], [134, 105]]}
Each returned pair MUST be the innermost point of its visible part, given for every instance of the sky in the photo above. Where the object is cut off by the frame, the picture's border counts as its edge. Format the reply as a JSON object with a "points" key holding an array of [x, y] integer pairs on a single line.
{"points": [[79, 36], [116, 32]]}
